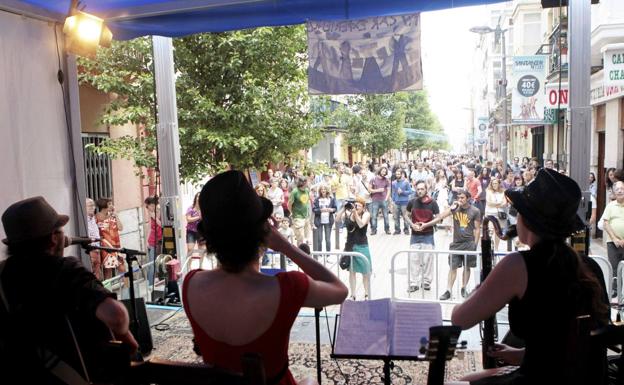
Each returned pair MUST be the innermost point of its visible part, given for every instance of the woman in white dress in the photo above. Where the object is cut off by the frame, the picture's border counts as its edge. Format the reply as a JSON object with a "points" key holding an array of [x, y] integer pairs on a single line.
{"points": [[496, 205], [441, 195], [276, 196]]}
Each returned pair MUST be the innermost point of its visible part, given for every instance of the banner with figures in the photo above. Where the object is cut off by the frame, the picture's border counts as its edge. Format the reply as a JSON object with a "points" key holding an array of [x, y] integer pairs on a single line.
{"points": [[528, 97], [375, 55]]}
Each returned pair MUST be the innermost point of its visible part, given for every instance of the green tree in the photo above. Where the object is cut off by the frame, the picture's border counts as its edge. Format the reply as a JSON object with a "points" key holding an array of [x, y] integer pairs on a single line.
{"points": [[241, 98], [374, 123], [420, 118]]}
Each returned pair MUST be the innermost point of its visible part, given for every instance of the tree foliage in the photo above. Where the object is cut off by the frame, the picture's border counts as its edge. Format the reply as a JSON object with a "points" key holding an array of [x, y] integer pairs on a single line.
{"points": [[418, 115], [241, 97], [374, 123]]}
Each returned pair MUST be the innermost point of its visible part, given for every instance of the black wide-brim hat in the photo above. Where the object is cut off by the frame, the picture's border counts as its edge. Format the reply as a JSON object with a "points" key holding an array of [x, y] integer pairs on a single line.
{"points": [[229, 200], [29, 219], [549, 204]]}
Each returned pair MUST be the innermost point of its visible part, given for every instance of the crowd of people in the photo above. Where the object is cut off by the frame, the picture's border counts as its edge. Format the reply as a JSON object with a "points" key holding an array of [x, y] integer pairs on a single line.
{"points": [[422, 194], [436, 192]]}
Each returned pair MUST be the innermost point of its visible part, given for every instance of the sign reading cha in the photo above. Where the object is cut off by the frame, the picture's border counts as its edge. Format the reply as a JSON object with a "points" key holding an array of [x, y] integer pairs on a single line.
{"points": [[613, 59]]}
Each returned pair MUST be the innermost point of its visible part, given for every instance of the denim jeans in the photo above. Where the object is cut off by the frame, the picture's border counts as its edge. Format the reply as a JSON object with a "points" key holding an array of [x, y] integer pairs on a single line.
{"points": [[400, 210], [375, 206], [324, 230], [421, 264]]}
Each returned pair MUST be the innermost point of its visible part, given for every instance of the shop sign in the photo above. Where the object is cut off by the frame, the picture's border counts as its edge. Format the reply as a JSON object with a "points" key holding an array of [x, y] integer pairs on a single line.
{"points": [[613, 59], [557, 95]]}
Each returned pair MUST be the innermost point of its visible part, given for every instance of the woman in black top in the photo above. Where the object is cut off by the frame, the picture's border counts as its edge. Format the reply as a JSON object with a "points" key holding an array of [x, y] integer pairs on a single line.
{"points": [[546, 287], [356, 218]]}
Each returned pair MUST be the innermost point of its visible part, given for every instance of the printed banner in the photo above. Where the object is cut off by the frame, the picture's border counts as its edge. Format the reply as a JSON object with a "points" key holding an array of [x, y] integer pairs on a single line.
{"points": [[482, 130], [528, 98], [613, 60], [376, 55]]}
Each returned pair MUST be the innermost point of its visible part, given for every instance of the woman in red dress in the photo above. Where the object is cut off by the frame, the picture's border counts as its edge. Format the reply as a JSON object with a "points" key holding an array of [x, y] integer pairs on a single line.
{"points": [[235, 309]]}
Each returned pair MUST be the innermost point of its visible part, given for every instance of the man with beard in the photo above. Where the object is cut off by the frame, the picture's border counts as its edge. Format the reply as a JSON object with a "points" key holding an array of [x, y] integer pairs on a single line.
{"points": [[46, 299], [423, 212]]}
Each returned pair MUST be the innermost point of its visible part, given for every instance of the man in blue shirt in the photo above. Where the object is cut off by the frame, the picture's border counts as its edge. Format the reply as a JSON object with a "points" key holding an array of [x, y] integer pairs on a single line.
{"points": [[401, 191]]}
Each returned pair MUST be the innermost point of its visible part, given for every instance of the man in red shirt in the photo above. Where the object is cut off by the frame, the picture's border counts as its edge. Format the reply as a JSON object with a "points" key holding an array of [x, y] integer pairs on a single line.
{"points": [[423, 209], [473, 186]]}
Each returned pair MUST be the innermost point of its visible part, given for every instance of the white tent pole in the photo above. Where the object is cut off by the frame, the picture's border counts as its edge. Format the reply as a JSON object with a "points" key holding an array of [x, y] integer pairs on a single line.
{"points": [[168, 140], [580, 111]]}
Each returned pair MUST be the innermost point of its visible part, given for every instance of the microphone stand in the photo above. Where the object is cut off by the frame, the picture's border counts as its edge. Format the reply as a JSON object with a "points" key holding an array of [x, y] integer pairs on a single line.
{"points": [[131, 256]]}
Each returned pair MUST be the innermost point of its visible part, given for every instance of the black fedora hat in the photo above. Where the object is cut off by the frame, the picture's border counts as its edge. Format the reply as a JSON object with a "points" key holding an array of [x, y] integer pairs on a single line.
{"points": [[549, 204], [29, 219], [229, 200]]}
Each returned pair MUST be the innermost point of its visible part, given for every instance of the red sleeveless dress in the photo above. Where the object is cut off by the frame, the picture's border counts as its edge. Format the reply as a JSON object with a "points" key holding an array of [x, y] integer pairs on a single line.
{"points": [[272, 345]]}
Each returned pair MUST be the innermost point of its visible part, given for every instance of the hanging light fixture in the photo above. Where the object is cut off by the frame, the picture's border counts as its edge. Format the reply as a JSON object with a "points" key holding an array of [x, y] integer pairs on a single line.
{"points": [[85, 33]]}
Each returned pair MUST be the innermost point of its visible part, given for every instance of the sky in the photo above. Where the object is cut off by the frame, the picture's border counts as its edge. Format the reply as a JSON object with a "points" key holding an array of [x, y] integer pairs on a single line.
{"points": [[448, 48]]}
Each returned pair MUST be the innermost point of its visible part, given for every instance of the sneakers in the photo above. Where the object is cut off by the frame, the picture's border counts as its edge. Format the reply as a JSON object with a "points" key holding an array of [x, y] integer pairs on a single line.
{"points": [[396, 233], [388, 232], [445, 296], [406, 232], [412, 288], [373, 232], [427, 286], [464, 292]]}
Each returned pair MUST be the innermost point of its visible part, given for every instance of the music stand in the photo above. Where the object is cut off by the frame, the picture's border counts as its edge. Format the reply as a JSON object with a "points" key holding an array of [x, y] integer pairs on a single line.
{"points": [[440, 347]]}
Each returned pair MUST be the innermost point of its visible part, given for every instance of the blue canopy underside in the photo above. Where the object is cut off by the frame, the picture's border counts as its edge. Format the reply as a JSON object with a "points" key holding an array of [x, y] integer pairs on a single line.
{"points": [[128, 19]]}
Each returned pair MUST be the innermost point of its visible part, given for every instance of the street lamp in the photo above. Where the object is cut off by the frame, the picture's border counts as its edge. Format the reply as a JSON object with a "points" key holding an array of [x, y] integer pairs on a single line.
{"points": [[499, 33]]}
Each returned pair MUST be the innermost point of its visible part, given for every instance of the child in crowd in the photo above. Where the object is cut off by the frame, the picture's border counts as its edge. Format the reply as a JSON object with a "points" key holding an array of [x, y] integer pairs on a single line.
{"points": [[286, 231]]}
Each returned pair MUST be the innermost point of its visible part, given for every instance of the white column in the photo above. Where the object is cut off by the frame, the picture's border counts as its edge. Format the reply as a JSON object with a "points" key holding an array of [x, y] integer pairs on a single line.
{"points": [[168, 140]]}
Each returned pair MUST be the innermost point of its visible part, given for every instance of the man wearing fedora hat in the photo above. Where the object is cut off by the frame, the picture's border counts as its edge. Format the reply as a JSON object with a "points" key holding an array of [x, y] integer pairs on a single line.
{"points": [[37, 281]]}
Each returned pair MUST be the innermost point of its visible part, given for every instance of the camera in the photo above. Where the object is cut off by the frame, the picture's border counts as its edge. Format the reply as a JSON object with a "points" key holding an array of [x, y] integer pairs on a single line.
{"points": [[349, 205]]}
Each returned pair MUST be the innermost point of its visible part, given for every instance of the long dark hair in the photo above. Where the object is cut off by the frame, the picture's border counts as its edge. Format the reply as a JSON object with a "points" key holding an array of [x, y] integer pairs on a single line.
{"points": [[607, 179], [574, 282]]}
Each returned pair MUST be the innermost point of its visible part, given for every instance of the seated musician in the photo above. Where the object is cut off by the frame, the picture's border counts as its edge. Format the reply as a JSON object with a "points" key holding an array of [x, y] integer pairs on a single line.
{"points": [[546, 287], [235, 309], [49, 304]]}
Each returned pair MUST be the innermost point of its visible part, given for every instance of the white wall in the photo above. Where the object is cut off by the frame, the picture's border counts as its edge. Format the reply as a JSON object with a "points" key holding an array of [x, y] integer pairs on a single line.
{"points": [[34, 150]]}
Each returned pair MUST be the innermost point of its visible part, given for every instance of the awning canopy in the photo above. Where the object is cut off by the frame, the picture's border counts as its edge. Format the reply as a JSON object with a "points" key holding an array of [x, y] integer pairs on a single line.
{"points": [[128, 19]]}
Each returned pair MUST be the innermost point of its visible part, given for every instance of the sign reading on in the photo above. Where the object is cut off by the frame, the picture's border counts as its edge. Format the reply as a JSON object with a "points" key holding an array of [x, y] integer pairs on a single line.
{"points": [[556, 96], [528, 98], [613, 57]]}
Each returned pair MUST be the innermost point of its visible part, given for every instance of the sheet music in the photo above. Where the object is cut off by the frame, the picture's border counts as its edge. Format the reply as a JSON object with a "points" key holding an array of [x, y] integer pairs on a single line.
{"points": [[410, 323], [363, 328]]}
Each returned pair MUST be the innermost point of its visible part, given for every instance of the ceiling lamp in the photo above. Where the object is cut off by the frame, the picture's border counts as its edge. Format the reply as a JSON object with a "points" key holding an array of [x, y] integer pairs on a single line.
{"points": [[85, 33]]}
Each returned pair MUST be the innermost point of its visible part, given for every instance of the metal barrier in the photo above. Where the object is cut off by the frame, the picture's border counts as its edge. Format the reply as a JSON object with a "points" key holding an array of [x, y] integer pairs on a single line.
{"points": [[202, 257], [116, 284], [619, 282], [434, 254], [607, 272]]}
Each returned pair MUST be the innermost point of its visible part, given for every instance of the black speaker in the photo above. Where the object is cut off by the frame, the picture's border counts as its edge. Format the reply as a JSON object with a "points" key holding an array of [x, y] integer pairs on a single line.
{"points": [[556, 3], [143, 333]]}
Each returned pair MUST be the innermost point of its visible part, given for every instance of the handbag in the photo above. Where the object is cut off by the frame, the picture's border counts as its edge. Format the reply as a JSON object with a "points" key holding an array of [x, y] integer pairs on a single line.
{"points": [[502, 214], [345, 262]]}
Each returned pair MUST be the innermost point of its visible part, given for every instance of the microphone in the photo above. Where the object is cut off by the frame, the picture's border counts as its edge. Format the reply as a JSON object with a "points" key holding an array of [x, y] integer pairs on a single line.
{"points": [[82, 241]]}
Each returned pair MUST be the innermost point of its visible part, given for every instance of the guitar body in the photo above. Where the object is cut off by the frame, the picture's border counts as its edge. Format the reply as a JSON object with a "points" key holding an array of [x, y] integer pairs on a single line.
{"points": [[105, 360]]}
